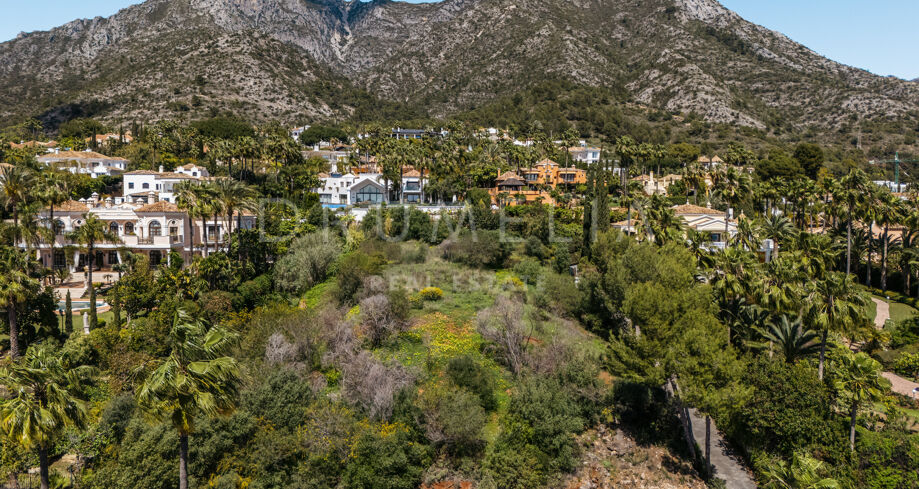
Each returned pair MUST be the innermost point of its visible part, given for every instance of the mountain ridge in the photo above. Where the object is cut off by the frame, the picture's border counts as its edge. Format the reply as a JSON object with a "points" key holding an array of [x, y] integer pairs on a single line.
{"points": [[266, 58]]}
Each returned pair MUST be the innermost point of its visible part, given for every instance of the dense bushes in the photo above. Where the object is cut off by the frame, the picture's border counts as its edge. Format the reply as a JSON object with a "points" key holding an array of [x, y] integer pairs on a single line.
{"points": [[482, 249], [307, 263], [790, 410], [472, 376]]}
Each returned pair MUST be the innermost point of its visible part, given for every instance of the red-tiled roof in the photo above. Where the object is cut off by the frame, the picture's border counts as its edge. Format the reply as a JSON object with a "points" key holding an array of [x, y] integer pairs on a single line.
{"points": [[71, 206], [684, 209]]}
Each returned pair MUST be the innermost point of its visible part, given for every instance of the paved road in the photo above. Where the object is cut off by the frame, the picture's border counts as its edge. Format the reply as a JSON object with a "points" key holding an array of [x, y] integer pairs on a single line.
{"points": [[727, 465], [883, 313]]}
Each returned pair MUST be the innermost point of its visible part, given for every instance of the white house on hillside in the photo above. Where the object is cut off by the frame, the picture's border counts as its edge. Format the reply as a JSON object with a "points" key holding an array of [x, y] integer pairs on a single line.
{"points": [[85, 162], [151, 186], [365, 188]]}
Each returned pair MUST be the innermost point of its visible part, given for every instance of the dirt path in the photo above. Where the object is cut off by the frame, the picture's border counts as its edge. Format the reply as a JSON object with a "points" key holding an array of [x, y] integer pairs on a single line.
{"points": [[883, 313], [901, 385], [898, 384], [727, 465]]}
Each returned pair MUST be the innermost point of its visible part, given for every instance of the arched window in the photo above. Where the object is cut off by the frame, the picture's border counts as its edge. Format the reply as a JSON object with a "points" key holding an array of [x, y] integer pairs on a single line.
{"points": [[58, 227], [129, 228], [145, 186], [113, 227], [156, 228]]}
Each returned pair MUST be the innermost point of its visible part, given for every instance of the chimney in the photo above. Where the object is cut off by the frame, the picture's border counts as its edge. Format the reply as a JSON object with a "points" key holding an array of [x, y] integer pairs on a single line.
{"points": [[161, 168], [154, 197]]}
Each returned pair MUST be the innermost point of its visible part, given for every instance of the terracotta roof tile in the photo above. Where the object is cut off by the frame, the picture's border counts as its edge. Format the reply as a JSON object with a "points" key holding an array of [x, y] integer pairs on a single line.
{"points": [[71, 206], [684, 209], [77, 155]]}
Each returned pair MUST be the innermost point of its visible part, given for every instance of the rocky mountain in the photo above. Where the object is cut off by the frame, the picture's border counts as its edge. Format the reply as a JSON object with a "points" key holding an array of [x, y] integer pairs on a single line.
{"points": [[306, 59]]}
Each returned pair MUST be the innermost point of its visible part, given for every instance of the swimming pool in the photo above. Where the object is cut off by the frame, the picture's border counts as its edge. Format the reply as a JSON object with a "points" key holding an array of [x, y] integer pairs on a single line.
{"points": [[78, 305]]}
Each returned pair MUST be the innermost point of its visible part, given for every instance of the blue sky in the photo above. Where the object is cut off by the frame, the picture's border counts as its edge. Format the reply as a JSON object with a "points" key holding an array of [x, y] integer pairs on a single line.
{"points": [[877, 35]]}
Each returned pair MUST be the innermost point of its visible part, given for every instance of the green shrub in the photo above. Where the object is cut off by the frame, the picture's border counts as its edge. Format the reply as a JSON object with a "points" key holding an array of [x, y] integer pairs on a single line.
{"points": [[529, 270], [386, 457], [307, 262], [557, 293], [907, 365], [352, 271], [477, 249], [790, 410], [455, 420], [533, 247], [466, 373], [543, 415]]}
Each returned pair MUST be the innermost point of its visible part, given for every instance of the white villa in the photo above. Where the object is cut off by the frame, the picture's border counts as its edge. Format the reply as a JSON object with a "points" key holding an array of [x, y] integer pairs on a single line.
{"points": [[365, 188], [85, 162], [585, 154], [152, 229], [142, 184]]}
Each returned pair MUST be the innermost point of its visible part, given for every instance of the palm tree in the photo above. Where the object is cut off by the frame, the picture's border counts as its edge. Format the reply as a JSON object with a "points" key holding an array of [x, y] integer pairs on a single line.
{"points": [[186, 197], [790, 336], [804, 472], [197, 378], [92, 233], [851, 192], [835, 303], [44, 399], [732, 186], [235, 197], [16, 187], [54, 190], [627, 149], [16, 286], [890, 211], [858, 376], [747, 236], [777, 228]]}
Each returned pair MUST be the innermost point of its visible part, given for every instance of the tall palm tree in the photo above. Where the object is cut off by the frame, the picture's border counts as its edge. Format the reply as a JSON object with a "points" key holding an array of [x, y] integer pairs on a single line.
{"points": [[197, 378], [789, 335], [44, 399], [732, 186], [54, 190], [627, 149], [16, 286], [186, 197], [16, 188], [890, 211], [778, 228], [858, 376], [235, 197], [851, 193], [93, 232], [747, 236], [835, 303]]}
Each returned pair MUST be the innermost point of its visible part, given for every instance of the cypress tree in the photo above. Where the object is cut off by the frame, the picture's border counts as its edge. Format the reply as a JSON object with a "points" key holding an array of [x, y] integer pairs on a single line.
{"points": [[92, 308], [116, 310], [68, 315]]}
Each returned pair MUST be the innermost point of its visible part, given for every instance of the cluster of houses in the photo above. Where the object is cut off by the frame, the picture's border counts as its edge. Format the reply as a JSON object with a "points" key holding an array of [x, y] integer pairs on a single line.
{"points": [[145, 219]]}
